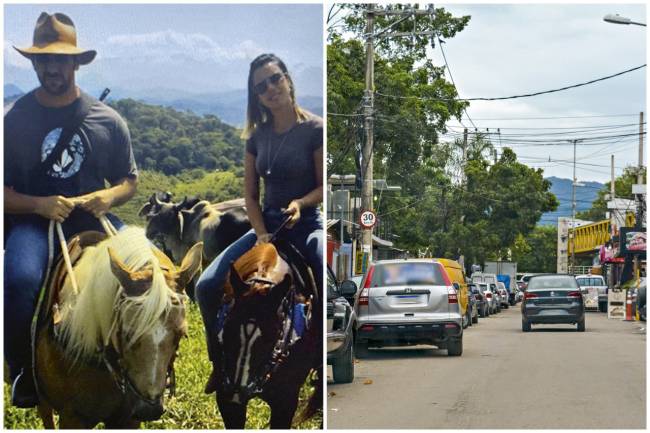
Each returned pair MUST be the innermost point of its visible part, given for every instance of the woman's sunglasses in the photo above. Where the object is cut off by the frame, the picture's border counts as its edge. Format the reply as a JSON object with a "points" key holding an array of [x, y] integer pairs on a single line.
{"points": [[263, 85]]}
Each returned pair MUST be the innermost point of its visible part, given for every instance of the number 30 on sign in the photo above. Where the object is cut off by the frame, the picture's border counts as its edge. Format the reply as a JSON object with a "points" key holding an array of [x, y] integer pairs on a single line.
{"points": [[368, 219]]}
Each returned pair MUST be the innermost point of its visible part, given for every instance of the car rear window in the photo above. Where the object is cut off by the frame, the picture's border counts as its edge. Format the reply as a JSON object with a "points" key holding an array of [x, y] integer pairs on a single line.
{"points": [[412, 274], [552, 282], [591, 281]]}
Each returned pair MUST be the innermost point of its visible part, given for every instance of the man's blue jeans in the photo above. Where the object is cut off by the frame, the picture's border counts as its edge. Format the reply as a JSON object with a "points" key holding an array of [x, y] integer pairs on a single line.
{"points": [[25, 267], [306, 236]]}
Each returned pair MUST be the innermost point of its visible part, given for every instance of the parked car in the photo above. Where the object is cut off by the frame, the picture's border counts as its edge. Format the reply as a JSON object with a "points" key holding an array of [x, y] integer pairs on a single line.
{"points": [[503, 293], [497, 296], [404, 302], [476, 290], [457, 275], [523, 282], [341, 322], [552, 298], [472, 307], [491, 298], [596, 291], [519, 296]]}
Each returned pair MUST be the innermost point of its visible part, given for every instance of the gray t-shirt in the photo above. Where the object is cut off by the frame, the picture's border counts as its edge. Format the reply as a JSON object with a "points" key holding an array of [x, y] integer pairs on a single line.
{"points": [[286, 161], [100, 149]]}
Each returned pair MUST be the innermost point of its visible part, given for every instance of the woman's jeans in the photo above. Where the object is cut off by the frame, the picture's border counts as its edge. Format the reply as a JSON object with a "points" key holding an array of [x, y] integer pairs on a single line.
{"points": [[306, 236], [25, 267]]}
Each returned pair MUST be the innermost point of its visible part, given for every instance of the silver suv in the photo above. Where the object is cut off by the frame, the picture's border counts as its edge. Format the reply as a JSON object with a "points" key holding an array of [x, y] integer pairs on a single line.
{"points": [[404, 302]]}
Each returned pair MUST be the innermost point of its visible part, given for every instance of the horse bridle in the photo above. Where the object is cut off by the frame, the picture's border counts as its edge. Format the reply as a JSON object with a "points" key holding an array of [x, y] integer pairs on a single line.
{"points": [[280, 352], [110, 356], [282, 345]]}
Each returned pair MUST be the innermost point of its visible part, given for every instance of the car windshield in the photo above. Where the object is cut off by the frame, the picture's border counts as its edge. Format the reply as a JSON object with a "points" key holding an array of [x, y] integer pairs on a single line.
{"points": [[591, 281], [413, 274], [473, 288], [552, 282]]}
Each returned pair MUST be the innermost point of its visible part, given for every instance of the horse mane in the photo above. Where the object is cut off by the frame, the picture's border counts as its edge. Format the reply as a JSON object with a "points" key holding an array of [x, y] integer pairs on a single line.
{"points": [[87, 317], [258, 260]]}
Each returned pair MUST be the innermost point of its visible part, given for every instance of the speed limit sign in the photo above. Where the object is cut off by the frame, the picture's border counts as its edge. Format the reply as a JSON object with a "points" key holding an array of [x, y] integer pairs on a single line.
{"points": [[368, 219]]}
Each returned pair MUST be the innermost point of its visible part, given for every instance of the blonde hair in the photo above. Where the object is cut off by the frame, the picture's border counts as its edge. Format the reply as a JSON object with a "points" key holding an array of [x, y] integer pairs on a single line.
{"points": [[87, 317]]}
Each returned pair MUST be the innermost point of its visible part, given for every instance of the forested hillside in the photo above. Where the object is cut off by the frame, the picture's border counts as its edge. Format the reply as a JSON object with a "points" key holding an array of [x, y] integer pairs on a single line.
{"points": [[170, 141]]}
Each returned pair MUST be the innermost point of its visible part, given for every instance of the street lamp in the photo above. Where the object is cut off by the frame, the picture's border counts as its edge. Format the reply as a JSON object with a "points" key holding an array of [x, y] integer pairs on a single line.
{"points": [[617, 19]]}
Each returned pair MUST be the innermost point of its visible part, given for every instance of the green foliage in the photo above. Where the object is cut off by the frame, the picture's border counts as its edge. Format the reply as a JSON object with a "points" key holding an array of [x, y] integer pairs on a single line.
{"points": [[536, 252], [406, 128], [170, 141], [190, 408], [623, 189]]}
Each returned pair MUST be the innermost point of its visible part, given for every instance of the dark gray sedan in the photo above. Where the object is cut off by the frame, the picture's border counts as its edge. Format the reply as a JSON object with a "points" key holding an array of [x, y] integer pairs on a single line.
{"points": [[552, 298]]}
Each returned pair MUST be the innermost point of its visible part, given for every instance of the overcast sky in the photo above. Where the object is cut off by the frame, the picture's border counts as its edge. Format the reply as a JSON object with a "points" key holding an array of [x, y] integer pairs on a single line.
{"points": [[517, 49], [191, 47]]}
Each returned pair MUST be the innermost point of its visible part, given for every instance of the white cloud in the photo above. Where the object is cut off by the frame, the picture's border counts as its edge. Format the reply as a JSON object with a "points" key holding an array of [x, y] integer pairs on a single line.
{"points": [[169, 45]]}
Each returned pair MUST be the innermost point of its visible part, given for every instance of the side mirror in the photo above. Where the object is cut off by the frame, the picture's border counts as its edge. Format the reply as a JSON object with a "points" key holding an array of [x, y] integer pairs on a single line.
{"points": [[348, 288], [457, 287]]}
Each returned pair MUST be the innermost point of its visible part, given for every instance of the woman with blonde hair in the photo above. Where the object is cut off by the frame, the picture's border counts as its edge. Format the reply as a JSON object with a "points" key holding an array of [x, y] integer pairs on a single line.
{"points": [[284, 147]]}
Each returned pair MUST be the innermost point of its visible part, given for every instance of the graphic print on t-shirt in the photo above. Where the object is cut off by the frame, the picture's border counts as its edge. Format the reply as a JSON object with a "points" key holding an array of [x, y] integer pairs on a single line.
{"points": [[71, 158]]}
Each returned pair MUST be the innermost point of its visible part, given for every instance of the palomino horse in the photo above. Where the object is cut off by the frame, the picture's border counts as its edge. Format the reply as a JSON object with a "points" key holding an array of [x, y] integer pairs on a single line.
{"points": [[103, 354], [267, 344]]}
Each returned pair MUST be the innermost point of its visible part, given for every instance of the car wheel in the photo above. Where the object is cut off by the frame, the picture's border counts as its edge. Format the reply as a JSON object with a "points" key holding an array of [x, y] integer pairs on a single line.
{"points": [[475, 319], [343, 367], [455, 346], [602, 307], [361, 349], [506, 306], [525, 325], [469, 318], [581, 325]]}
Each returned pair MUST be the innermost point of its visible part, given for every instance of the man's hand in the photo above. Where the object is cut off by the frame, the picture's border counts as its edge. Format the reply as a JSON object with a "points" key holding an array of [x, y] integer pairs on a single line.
{"points": [[97, 203], [263, 238], [294, 210], [54, 207]]}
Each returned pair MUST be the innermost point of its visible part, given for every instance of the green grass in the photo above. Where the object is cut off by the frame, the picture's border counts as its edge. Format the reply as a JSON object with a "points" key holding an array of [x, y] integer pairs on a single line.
{"points": [[190, 408]]}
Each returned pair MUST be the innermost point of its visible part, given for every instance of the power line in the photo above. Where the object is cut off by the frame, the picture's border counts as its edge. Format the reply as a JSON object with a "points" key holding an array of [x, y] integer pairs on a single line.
{"points": [[440, 42], [527, 95]]}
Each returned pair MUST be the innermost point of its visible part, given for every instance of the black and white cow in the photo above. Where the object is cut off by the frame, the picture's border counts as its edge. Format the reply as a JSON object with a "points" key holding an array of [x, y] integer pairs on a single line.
{"points": [[178, 226]]}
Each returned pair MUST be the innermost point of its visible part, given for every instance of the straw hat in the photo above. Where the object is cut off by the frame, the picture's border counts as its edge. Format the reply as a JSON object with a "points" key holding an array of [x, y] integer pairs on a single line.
{"points": [[55, 34]]}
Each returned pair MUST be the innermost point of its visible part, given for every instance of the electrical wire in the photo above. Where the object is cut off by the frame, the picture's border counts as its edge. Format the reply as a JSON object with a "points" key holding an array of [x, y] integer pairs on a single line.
{"points": [[527, 95]]}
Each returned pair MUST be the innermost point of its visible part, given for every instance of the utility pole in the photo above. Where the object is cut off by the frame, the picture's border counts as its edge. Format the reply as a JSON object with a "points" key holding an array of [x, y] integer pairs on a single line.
{"points": [[366, 163], [368, 101], [639, 176], [464, 166], [573, 211]]}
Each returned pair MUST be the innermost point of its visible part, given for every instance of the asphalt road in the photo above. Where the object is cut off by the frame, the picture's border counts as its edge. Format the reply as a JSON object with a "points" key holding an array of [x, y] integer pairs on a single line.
{"points": [[552, 377]]}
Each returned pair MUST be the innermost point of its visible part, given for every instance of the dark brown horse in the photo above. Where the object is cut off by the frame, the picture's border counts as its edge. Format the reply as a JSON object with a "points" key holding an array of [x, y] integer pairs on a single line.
{"points": [[103, 354], [267, 343]]}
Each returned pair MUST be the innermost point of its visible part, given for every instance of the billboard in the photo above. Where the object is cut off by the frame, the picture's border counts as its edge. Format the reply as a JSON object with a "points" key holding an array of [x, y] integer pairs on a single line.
{"points": [[633, 241]]}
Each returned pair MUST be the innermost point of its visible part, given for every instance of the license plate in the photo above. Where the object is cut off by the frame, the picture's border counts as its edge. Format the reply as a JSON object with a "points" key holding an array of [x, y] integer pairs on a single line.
{"points": [[409, 299]]}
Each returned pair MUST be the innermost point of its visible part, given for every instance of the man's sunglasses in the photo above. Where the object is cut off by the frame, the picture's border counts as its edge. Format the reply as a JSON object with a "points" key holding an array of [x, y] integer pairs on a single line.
{"points": [[61, 59], [263, 85]]}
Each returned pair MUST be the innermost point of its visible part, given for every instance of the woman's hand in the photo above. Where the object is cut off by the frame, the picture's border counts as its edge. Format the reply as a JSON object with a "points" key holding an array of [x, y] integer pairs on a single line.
{"points": [[294, 210]]}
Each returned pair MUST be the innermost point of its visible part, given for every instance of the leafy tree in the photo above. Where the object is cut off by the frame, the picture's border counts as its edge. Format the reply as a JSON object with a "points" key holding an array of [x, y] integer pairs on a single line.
{"points": [[537, 252], [623, 188]]}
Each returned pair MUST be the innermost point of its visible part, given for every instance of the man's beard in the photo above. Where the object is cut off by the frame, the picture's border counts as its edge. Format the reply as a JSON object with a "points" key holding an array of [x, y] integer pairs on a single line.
{"points": [[58, 88]]}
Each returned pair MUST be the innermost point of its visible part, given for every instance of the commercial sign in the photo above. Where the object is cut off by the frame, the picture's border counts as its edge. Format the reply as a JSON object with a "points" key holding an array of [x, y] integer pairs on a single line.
{"points": [[632, 241]]}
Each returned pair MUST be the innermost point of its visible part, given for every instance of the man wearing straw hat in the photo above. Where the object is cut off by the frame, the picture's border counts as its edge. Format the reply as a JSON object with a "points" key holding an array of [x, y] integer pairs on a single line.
{"points": [[61, 146]]}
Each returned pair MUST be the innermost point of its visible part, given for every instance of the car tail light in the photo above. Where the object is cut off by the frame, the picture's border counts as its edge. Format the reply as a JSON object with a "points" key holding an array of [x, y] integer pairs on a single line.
{"points": [[574, 294], [528, 295], [488, 295], [363, 296], [367, 328], [450, 325], [452, 296]]}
